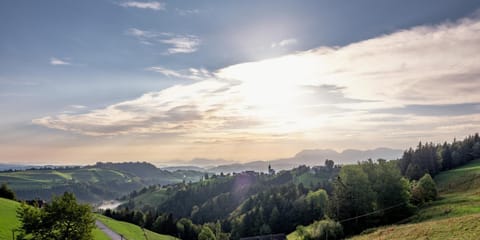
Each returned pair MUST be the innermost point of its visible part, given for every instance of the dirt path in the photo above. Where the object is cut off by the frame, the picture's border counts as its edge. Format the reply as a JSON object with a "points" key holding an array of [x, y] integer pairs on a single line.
{"points": [[111, 234]]}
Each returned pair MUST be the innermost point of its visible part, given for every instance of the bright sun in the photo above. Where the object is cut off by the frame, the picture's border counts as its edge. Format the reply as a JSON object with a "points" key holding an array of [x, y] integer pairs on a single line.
{"points": [[274, 90]]}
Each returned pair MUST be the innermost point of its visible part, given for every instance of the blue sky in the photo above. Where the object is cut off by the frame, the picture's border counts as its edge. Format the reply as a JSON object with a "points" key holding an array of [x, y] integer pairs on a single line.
{"points": [[64, 62]]}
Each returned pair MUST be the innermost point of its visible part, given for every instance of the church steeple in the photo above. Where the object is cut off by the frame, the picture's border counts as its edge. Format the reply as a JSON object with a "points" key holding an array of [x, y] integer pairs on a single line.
{"points": [[271, 171]]}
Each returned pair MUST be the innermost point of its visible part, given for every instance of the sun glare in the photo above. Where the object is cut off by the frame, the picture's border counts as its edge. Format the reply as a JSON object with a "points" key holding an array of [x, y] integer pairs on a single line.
{"points": [[274, 91]]}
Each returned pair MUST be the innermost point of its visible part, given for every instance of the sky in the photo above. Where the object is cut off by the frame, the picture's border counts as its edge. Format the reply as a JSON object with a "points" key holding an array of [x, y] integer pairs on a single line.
{"points": [[163, 81]]}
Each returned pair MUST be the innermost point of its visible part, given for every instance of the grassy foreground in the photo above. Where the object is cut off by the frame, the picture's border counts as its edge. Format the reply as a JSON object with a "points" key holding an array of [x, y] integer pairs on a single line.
{"points": [[9, 221], [131, 231], [8, 218], [455, 215], [464, 227]]}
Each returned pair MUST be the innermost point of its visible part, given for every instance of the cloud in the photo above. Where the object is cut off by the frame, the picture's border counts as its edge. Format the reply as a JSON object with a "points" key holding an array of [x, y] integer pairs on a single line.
{"points": [[139, 33], [182, 44], [434, 110], [57, 61], [390, 87], [144, 5], [191, 73], [146, 37], [77, 106], [180, 109], [284, 43], [177, 43], [185, 12]]}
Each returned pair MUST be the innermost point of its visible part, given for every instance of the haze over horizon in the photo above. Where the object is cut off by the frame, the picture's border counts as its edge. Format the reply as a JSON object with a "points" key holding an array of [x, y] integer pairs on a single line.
{"points": [[89, 81]]}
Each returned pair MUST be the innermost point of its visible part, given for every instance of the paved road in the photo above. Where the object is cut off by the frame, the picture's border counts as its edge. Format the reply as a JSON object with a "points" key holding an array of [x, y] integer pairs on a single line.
{"points": [[113, 235]]}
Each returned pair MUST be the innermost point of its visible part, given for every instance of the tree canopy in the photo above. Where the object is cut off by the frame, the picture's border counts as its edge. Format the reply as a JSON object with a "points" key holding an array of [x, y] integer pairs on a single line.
{"points": [[6, 192], [432, 158], [62, 218], [425, 190]]}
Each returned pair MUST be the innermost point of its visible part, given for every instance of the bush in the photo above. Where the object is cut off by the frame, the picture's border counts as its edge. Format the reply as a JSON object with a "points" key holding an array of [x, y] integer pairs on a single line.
{"points": [[6, 192], [425, 190], [324, 229]]}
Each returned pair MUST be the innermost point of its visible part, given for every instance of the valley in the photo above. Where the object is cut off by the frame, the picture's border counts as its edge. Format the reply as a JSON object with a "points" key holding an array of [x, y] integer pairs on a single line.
{"points": [[92, 184]]}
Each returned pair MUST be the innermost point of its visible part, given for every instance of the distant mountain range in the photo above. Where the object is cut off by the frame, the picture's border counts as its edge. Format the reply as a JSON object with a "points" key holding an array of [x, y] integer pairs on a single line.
{"points": [[310, 157]]}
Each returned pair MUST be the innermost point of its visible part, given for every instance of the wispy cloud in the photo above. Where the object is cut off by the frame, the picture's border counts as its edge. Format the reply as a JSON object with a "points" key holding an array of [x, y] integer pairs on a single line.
{"points": [[284, 43], [177, 43], [77, 106], [146, 37], [182, 44], [140, 33], [365, 90], [58, 61], [175, 110], [191, 73], [153, 5], [186, 12]]}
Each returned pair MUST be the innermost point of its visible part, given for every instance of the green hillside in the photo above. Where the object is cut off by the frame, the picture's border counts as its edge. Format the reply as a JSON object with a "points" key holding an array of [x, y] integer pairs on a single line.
{"points": [[455, 215], [103, 181], [131, 231], [8, 219], [465, 227]]}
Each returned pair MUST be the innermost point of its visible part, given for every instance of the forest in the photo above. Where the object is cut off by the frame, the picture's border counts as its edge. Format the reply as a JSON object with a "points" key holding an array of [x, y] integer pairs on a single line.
{"points": [[344, 200]]}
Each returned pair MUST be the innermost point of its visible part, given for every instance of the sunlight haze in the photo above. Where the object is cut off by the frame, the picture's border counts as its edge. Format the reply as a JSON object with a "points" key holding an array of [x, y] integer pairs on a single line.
{"points": [[164, 81]]}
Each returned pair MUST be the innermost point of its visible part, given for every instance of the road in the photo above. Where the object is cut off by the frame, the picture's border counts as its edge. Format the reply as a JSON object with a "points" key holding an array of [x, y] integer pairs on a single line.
{"points": [[111, 234]]}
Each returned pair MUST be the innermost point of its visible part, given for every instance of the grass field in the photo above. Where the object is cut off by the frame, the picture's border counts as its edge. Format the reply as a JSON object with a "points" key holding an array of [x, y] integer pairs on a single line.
{"points": [[455, 215], [464, 227], [153, 198], [131, 231], [8, 218]]}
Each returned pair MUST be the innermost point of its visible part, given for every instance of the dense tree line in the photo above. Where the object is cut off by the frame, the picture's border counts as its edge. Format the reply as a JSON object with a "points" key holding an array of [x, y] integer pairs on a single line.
{"points": [[265, 213], [369, 194], [432, 158], [244, 204]]}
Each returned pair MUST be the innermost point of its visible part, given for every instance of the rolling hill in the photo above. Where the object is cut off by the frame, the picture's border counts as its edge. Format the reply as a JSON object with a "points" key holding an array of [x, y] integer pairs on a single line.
{"points": [[103, 181]]}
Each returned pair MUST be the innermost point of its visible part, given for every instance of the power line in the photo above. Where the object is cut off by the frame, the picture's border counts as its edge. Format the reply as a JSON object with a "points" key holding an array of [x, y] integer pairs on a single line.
{"points": [[371, 213]]}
